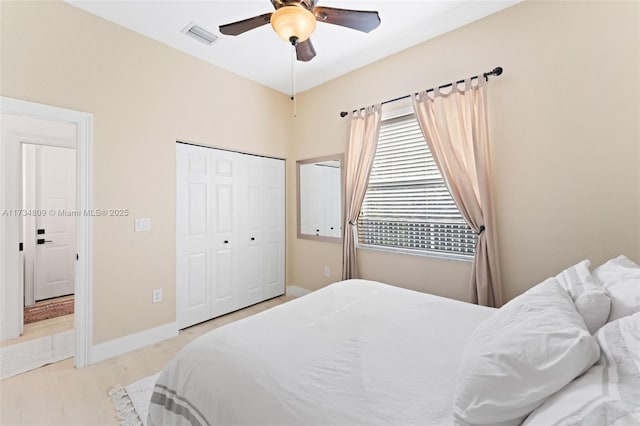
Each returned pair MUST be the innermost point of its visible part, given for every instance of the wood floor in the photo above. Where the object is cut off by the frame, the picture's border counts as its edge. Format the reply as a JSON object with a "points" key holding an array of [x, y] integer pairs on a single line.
{"points": [[59, 394], [47, 327]]}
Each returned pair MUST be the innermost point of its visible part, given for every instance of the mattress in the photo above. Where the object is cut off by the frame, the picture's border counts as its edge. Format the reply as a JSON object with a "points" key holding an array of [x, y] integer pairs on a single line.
{"points": [[353, 353]]}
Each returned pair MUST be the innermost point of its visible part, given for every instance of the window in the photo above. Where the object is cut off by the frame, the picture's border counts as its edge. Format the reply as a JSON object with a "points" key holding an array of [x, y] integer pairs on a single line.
{"points": [[407, 205]]}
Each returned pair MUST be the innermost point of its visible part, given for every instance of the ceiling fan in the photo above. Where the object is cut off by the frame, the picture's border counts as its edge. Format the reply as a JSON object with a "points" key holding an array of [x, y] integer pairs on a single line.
{"points": [[295, 20]]}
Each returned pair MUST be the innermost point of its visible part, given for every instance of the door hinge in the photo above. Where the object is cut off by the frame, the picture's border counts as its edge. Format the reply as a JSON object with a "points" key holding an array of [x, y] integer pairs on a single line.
{"points": [[77, 257], [21, 247]]}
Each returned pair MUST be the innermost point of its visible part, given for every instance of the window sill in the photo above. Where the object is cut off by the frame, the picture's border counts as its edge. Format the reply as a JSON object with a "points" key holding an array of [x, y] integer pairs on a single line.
{"points": [[431, 254]]}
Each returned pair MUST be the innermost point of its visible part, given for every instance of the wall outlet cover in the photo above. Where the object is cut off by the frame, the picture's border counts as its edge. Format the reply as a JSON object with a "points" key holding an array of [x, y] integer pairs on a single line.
{"points": [[143, 225], [157, 295]]}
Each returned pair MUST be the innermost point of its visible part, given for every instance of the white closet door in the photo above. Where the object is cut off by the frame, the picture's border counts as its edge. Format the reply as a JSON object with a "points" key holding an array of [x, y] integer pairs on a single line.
{"points": [[274, 227], [228, 171], [230, 232], [193, 235], [252, 234]]}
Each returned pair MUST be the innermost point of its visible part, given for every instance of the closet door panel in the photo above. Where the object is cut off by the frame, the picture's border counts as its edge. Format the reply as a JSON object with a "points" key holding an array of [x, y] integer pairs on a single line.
{"points": [[227, 219], [224, 279], [223, 244], [253, 232], [274, 228], [254, 274], [197, 283], [224, 209], [193, 230], [197, 255]]}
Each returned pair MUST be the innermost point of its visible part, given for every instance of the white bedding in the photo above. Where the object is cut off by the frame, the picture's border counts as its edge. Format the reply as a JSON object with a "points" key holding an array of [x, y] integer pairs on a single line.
{"points": [[607, 394], [353, 353]]}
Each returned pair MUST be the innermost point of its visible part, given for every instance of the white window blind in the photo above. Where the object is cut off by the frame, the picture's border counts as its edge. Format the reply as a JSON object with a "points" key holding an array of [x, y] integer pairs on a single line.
{"points": [[407, 204]]}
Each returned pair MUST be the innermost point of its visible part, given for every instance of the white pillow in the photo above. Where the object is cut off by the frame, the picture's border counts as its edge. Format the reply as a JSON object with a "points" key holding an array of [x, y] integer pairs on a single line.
{"points": [[609, 393], [621, 278], [591, 299], [527, 350]]}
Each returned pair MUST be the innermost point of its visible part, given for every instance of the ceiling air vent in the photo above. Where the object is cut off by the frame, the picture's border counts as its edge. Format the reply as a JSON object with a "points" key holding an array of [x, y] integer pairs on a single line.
{"points": [[199, 33]]}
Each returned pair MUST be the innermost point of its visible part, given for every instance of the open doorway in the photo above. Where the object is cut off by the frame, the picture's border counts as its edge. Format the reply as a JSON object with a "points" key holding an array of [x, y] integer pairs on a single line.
{"points": [[47, 220], [54, 136]]}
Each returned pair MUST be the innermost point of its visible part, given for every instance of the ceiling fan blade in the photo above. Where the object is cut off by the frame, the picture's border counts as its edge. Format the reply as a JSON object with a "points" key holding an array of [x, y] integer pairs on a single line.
{"points": [[361, 20], [239, 27], [308, 4], [305, 51]]}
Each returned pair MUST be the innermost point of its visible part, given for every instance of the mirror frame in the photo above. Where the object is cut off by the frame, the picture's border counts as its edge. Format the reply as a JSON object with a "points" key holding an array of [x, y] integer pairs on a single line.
{"points": [[339, 157]]}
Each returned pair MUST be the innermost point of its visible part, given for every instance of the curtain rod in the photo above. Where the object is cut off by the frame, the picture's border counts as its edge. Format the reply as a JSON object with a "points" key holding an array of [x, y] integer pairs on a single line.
{"points": [[494, 72]]}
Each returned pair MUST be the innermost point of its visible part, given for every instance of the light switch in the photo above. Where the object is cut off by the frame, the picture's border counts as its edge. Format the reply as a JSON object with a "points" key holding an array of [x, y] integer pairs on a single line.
{"points": [[143, 225]]}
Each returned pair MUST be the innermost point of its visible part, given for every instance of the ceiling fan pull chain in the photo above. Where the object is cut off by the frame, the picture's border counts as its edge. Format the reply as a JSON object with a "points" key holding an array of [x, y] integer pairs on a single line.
{"points": [[293, 79]]}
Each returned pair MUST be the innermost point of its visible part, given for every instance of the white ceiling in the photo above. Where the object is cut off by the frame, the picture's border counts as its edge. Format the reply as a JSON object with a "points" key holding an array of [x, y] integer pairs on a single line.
{"points": [[260, 55]]}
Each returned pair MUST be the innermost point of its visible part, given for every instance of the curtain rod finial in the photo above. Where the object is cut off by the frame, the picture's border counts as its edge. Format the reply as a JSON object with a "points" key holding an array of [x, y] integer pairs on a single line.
{"points": [[343, 114], [497, 71]]}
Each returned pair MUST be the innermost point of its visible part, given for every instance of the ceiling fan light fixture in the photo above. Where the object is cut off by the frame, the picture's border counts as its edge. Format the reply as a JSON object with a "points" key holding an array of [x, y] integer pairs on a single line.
{"points": [[293, 23]]}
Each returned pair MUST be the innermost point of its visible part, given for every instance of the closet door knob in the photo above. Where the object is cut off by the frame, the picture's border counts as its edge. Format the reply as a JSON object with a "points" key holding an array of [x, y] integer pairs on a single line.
{"points": [[253, 238], [226, 241]]}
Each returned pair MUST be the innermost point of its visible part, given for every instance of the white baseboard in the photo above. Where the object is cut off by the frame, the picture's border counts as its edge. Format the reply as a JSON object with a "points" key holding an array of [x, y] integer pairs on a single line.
{"points": [[296, 291], [132, 342], [22, 357]]}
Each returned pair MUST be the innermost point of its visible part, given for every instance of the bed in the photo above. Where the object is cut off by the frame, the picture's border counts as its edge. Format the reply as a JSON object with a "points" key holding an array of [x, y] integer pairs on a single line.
{"points": [[366, 353]]}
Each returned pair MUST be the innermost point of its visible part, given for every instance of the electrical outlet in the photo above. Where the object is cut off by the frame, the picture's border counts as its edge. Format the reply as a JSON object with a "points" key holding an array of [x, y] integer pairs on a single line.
{"points": [[157, 295], [327, 271]]}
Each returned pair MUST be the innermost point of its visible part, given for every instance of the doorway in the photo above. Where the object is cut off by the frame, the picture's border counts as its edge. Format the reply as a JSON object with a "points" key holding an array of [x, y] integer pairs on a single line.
{"points": [[46, 218], [12, 226]]}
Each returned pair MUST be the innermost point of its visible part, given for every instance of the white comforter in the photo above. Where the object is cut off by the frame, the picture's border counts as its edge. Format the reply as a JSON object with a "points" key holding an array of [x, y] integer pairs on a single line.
{"points": [[353, 353]]}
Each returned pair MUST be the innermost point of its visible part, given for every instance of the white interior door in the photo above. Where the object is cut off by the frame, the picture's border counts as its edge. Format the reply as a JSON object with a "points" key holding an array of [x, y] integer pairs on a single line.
{"points": [[55, 235], [227, 176], [274, 228], [194, 233], [252, 234]]}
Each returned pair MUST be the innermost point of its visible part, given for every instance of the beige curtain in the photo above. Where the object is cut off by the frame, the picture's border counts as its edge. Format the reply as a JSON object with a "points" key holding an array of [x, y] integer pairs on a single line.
{"points": [[456, 128], [361, 149]]}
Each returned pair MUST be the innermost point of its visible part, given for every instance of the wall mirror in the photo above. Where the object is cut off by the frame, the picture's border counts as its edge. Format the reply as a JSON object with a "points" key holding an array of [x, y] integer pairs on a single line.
{"points": [[319, 183]]}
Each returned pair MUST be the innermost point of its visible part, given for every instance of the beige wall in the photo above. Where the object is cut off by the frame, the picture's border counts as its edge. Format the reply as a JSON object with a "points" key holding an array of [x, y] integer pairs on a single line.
{"points": [[565, 140], [143, 96]]}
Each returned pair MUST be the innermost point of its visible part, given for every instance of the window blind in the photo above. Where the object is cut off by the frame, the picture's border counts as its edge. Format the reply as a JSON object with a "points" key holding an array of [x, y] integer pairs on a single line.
{"points": [[407, 204]]}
